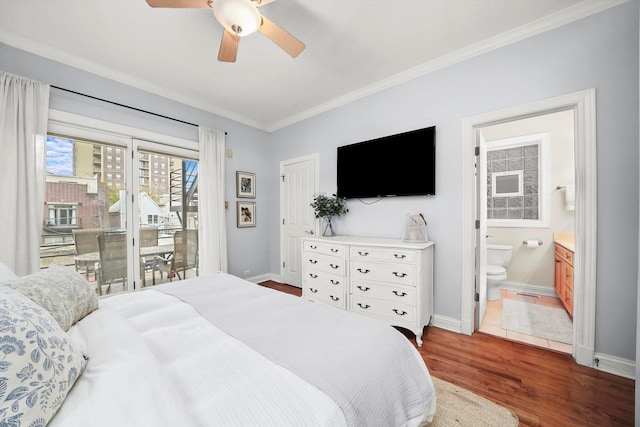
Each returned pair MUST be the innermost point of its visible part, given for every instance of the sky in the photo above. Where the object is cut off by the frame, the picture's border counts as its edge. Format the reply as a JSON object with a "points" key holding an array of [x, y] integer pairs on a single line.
{"points": [[59, 156]]}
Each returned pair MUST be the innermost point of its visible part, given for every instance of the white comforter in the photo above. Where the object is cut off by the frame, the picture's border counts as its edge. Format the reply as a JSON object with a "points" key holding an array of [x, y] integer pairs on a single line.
{"points": [[154, 360]]}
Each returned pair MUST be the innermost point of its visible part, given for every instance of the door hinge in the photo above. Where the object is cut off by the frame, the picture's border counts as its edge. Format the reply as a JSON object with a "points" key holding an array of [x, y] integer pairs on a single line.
{"points": [[476, 297], [477, 224], [282, 264], [282, 221], [476, 151], [282, 176]]}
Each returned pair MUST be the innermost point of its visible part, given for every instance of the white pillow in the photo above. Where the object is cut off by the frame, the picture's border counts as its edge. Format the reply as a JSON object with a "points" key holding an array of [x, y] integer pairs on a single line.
{"points": [[6, 273]]}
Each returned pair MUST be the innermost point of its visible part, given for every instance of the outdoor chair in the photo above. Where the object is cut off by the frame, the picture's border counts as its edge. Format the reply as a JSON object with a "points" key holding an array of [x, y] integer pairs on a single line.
{"points": [[113, 260], [86, 241], [184, 257], [148, 237]]}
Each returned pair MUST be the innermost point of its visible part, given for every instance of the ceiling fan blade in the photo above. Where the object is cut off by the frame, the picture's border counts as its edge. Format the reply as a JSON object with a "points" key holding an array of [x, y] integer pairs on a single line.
{"points": [[228, 47], [192, 4], [286, 41]]}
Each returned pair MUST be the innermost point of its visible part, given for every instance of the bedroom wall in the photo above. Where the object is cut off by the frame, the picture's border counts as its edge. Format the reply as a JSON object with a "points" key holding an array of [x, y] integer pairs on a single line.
{"points": [[248, 144], [601, 52]]}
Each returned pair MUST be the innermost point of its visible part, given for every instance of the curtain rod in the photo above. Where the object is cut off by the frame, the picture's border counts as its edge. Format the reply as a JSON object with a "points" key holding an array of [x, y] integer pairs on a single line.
{"points": [[125, 106]]}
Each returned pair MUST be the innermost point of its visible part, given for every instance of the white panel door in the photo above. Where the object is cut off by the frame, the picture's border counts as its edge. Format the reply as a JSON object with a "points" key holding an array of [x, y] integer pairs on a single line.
{"points": [[298, 183]]}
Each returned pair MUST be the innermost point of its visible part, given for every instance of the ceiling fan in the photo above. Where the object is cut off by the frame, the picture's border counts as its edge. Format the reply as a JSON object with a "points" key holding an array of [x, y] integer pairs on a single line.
{"points": [[239, 18]]}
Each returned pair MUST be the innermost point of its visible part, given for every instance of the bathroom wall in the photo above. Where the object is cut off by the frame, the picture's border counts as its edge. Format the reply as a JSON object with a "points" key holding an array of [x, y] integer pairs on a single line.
{"points": [[534, 266]]}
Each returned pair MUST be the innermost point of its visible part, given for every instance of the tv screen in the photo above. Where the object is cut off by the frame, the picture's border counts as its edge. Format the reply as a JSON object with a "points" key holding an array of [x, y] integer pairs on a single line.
{"points": [[396, 165]]}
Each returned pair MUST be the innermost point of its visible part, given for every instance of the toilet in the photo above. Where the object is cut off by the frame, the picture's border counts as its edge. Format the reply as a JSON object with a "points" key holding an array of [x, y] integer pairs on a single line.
{"points": [[498, 258]]}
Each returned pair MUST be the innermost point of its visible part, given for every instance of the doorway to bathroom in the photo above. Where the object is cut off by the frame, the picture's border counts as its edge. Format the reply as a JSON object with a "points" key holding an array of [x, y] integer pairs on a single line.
{"points": [[526, 189], [474, 226]]}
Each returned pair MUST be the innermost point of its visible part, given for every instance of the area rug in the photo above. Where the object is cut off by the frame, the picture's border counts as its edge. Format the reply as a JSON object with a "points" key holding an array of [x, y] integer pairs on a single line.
{"points": [[457, 407], [537, 320]]}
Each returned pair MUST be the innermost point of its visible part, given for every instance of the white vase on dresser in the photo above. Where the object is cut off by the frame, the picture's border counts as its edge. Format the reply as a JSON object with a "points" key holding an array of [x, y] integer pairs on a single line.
{"points": [[386, 279]]}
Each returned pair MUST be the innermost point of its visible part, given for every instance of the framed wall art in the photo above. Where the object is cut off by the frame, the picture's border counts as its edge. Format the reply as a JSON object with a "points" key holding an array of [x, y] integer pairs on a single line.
{"points": [[246, 214], [246, 185]]}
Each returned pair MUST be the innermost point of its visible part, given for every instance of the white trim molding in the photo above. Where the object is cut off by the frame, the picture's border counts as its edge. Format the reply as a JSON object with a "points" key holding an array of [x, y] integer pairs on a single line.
{"points": [[615, 365], [583, 105], [447, 323]]}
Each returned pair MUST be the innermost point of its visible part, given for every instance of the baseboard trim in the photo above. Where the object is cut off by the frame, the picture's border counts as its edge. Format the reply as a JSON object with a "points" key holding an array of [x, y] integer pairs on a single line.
{"points": [[529, 289], [615, 365], [448, 323], [263, 278]]}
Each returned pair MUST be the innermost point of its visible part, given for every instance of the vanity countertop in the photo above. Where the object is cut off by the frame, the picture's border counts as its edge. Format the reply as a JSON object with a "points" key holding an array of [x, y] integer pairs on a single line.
{"points": [[567, 240]]}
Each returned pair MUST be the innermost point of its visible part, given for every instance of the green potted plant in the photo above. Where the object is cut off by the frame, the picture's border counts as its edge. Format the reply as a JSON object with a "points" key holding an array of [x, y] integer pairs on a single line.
{"points": [[326, 207]]}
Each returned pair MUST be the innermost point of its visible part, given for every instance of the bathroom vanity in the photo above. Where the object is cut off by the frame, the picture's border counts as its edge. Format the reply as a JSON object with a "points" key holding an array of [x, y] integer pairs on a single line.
{"points": [[563, 282], [385, 279]]}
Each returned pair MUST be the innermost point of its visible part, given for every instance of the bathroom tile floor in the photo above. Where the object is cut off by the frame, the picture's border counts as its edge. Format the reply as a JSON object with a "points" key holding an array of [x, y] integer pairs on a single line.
{"points": [[491, 322]]}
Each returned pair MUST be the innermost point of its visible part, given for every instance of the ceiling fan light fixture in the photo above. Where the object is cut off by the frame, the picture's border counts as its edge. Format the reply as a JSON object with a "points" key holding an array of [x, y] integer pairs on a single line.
{"points": [[239, 17]]}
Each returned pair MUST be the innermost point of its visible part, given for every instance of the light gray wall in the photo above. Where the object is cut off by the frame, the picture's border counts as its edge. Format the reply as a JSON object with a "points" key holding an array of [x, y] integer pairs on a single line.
{"points": [[247, 247], [600, 51]]}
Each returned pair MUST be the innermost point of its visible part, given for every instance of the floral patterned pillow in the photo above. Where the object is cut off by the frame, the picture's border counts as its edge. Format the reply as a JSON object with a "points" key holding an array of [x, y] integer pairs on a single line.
{"points": [[38, 364], [60, 290]]}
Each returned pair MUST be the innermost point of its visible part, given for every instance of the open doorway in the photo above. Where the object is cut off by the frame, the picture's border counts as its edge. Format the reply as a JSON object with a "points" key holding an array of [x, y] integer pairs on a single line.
{"points": [[527, 184], [583, 106]]}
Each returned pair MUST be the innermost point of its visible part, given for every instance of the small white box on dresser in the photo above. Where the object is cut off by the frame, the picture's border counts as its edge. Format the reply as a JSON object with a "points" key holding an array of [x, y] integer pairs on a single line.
{"points": [[386, 279]]}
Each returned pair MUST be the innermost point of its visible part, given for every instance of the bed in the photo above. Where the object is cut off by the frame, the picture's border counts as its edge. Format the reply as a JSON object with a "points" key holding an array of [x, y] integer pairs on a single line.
{"points": [[212, 350]]}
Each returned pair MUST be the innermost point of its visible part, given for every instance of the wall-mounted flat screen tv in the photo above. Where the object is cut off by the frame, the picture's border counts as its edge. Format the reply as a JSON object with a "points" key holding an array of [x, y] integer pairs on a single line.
{"points": [[396, 165]]}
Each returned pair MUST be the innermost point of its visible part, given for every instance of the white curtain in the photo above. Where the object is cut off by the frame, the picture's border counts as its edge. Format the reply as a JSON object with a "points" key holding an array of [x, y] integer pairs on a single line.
{"points": [[24, 108], [212, 222]]}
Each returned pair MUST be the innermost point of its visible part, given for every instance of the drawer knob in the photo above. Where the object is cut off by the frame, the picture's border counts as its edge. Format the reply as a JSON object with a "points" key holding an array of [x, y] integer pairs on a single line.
{"points": [[334, 250], [399, 313], [334, 266], [399, 256], [313, 247], [395, 273], [400, 294], [364, 270], [335, 282], [363, 288], [334, 298], [313, 290], [365, 306], [313, 261], [313, 276], [363, 253]]}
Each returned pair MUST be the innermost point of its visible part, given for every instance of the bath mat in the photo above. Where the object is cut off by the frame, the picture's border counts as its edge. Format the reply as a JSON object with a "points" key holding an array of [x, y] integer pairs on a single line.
{"points": [[537, 320]]}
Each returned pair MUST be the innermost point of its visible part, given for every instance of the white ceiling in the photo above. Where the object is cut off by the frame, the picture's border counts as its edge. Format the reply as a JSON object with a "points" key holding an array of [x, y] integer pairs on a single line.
{"points": [[353, 47]]}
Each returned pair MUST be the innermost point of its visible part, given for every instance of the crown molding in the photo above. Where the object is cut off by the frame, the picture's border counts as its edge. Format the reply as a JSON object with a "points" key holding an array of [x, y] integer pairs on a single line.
{"points": [[68, 59], [558, 19]]}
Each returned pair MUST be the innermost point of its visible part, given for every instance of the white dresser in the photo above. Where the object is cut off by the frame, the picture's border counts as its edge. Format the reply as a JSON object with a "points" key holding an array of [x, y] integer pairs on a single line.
{"points": [[386, 279]]}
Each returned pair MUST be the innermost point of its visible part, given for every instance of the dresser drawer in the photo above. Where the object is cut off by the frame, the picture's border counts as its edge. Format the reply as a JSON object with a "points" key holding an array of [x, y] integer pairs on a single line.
{"points": [[401, 274], [332, 295], [325, 263], [321, 279], [393, 311], [325, 248], [396, 293], [364, 253]]}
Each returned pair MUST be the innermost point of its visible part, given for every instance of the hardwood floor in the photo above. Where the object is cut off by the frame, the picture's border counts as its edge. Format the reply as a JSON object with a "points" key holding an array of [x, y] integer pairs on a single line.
{"points": [[542, 387]]}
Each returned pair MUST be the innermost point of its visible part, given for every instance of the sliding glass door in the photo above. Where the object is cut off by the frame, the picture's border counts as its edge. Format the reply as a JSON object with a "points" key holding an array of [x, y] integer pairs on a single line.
{"points": [[167, 214], [119, 242]]}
